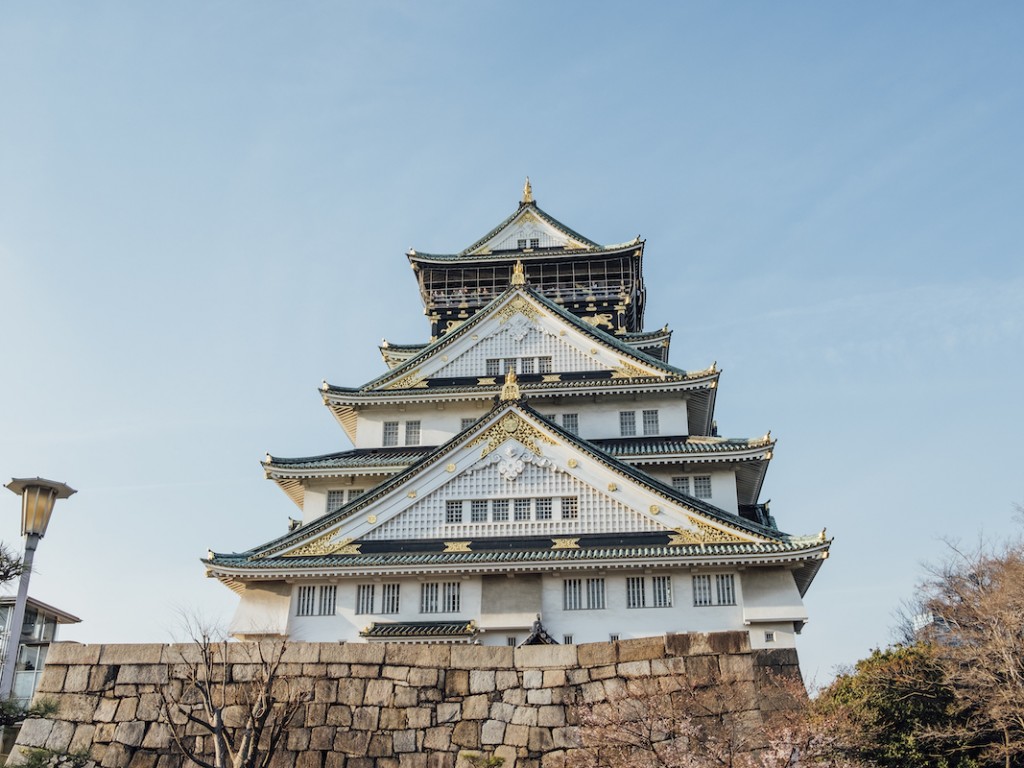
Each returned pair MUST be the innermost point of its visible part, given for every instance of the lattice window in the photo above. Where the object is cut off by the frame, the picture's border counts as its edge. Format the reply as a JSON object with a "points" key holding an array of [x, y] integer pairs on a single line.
{"points": [[466, 423], [306, 602], [636, 596], [681, 484], [627, 423], [522, 509], [549, 351], [328, 599], [571, 422], [412, 433], [595, 594], [452, 597], [335, 500], [453, 512], [570, 508], [478, 511], [544, 364], [364, 598], [429, 597], [499, 510], [701, 590], [355, 493], [702, 486], [493, 366], [725, 588], [390, 598], [390, 433], [661, 591], [542, 509], [528, 365], [572, 594], [650, 422]]}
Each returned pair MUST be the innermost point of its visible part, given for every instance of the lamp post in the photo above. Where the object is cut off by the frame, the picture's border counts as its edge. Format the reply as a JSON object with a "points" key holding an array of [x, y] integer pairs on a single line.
{"points": [[37, 500]]}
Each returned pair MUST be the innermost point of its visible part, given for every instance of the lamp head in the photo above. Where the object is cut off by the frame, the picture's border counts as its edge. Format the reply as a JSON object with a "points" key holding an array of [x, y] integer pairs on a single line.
{"points": [[37, 500]]}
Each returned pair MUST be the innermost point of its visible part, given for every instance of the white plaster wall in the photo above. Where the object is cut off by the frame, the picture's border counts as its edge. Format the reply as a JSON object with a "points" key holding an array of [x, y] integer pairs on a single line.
{"points": [[436, 425], [263, 609], [723, 484], [601, 420]]}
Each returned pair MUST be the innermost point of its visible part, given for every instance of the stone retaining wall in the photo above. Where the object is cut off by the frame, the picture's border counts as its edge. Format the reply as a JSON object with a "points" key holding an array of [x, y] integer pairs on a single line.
{"points": [[389, 705]]}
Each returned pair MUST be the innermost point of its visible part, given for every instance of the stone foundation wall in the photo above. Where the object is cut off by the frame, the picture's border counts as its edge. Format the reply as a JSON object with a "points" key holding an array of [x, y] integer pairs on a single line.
{"points": [[389, 705]]}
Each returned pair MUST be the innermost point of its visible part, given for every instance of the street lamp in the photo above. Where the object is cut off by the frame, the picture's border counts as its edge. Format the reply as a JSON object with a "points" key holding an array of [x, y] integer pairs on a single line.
{"points": [[37, 499]]}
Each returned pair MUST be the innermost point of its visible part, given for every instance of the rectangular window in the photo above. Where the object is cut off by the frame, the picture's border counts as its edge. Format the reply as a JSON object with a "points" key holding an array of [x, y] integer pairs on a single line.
{"points": [[452, 597], [636, 597], [390, 598], [307, 601], [355, 493], [535, 242], [466, 424], [543, 365], [570, 508], [412, 433], [572, 594], [493, 366], [725, 588], [566, 639], [510, 365], [328, 599], [527, 365], [428, 597], [520, 244], [769, 637], [510, 641], [613, 638], [335, 500], [595, 594], [571, 422], [522, 509], [681, 484], [661, 591], [364, 598], [478, 511], [499, 510], [701, 590], [627, 423], [390, 433], [650, 422], [543, 509], [702, 486], [453, 512]]}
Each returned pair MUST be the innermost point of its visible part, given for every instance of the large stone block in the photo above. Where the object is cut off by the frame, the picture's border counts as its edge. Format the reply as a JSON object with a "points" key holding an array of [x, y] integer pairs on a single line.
{"points": [[596, 654], [412, 655], [339, 714], [130, 733], [539, 696], [325, 691], [116, 756], [53, 679], [298, 739], [135, 653], [405, 741], [540, 740], [517, 735], [393, 719], [524, 716], [76, 680], [333, 760], [456, 682], [449, 712], [533, 678], [418, 717], [158, 736], [126, 709], [322, 737], [481, 656], [729, 642], [365, 718], [474, 707], [702, 670], [392, 672], [350, 691], [316, 714], [143, 759], [422, 677], [309, 759], [736, 667], [79, 707], [438, 739], [481, 681], [353, 653], [641, 649], [68, 653], [467, 734], [634, 669], [379, 693], [352, 742], [492, 732], [551, 716], [506, 678], [539, 656], [82, 738], [60, 736]]}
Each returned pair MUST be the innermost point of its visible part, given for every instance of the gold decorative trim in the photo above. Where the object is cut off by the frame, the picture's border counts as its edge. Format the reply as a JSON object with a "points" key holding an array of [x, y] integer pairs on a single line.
{"points": [[411, 494], [626, 370], [565, 543], [573, 463], [518, 275], [655, 509], [457, 546], [411, 381], [612, 487], [703, 534], [450, 468], [527, 192], [518, 306], [486, 381], [510, 390], [551, 377], [371, 519], [322, 545], [511, 426]]}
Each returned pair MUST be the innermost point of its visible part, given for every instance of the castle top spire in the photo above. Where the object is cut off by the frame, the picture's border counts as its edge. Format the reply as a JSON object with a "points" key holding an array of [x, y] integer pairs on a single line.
{"points": [[527, 192]]}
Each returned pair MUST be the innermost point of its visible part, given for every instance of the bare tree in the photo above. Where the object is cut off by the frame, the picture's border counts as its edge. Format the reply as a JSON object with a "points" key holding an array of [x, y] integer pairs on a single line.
{"points": [[220, 717]]}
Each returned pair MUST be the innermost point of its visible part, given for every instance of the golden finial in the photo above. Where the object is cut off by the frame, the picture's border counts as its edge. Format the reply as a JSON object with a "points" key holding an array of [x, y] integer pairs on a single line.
{"points": [[527, 192], [518, 275], [510, 390]]}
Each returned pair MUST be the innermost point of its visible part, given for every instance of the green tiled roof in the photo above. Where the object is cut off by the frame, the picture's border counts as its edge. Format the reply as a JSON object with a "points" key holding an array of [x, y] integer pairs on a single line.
{"points": [[358, 457], [420, 629]]}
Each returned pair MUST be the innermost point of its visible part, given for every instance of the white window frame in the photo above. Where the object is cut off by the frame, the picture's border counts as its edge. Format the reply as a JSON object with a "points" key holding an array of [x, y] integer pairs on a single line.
{"points": [[570, 508], [390, 598], [650, 422], [430, 597], [661, 591], [413, 432], [702, 486], [627, 423], [571, 423], [365, 598], [636, 594], [681, 484], [453, 512], [389, 434]]}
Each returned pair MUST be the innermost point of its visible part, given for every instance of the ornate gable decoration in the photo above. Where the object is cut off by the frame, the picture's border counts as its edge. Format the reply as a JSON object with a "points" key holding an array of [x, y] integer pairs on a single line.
{"points": [[703, 534], [526, 231], [515, 427]]}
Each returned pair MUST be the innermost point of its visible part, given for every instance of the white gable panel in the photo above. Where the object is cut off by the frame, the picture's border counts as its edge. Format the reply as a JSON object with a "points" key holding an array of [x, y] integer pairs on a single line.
{"points": [[519, 338], [526, 227], [514, 473]]}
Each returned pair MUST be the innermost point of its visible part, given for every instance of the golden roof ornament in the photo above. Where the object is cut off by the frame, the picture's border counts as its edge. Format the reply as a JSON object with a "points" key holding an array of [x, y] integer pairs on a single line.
{"points": [[518, 275], [527, 192], [510, 389]]}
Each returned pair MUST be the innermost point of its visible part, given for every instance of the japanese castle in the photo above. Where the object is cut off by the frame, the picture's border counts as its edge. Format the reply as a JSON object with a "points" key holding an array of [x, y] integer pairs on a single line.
{"points": [[537, 472]]}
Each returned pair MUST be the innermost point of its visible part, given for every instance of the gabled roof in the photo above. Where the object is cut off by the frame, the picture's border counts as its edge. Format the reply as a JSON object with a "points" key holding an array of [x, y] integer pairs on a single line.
{"points": [[690, 525]]}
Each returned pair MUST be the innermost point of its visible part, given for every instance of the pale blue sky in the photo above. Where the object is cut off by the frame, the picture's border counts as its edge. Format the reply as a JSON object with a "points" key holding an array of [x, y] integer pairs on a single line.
{"points": [[204, 209]]}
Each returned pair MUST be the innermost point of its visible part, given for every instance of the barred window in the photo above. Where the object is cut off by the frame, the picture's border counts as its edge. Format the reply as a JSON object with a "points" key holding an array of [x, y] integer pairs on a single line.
{"points": [[499, 510], [452, 597], [412, 433], [428, 597], [543, 365], [572, 594], [307, 601], [725, 588], [510, 641], [335, 500], [702, 486], [701, 589], [390, 433], [661, 591], [522, 509], [627, 423], [681, 484], [543, 509], [635, 594], [328, 599], [566, 639], [493, 366], [453, 512], [650, 422], [595, 594], [478, 511], [527, 365], [570, 508], [364, 598], [571, 422], [390, 598], [467, 423]]}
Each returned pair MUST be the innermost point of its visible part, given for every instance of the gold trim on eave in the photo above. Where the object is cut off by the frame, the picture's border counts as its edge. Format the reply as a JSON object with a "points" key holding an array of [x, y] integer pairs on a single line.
{"points": [[457, 546], [511, 426], [565, 543], [702, 534], [323, 545]]}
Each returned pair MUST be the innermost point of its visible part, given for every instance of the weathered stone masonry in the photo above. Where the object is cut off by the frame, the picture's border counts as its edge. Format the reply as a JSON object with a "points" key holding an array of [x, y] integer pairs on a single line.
{"points": [[390, 705]]}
